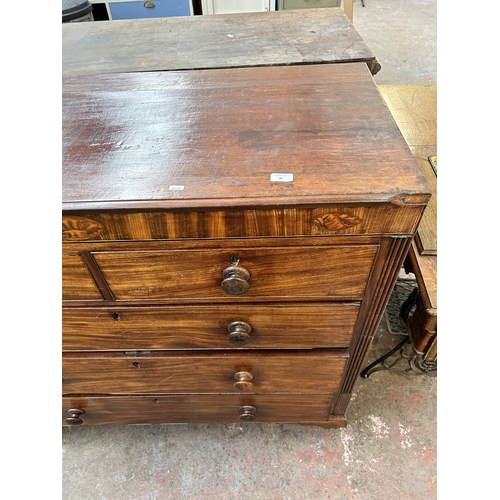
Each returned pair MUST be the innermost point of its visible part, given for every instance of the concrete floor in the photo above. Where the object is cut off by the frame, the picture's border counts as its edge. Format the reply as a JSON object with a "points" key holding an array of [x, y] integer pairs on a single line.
{"points": [[402, 35], [388, 450]]}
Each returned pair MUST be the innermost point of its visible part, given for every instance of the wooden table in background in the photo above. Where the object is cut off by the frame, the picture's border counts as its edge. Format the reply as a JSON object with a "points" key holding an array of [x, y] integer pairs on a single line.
{"points": [[414, 109], [281, 38]]}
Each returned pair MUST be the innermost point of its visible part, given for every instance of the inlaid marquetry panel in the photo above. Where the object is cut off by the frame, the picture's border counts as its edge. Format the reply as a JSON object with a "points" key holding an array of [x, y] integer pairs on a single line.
{"points": [[241, 223]]}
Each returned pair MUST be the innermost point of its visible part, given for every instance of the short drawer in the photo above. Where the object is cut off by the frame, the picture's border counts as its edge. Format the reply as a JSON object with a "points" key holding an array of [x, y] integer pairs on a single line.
{"points": [[190, 408], [212, 372], [264, 326], [149, 9], [77, 283], [303, 272]]}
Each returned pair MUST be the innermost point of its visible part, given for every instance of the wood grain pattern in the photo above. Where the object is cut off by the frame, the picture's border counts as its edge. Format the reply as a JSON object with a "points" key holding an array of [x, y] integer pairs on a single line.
{"points": [[192, 372], [290, 221], [414, 108], [77, 282], [339, 272], [226, 40], [188, 408], [220, 134], [274, 326]]}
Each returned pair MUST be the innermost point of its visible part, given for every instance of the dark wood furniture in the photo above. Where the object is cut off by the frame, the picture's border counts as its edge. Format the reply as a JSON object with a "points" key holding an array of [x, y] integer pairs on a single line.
{"points": [[230, 239], [201, 282], [414, 108]]}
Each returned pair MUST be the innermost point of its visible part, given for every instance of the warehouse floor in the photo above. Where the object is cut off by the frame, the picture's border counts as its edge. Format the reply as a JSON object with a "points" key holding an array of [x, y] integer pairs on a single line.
{"points": [[387, 451]]}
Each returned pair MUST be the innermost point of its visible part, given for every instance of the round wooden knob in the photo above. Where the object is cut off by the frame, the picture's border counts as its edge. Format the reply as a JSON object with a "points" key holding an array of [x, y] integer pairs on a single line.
{"points": [[247, 413], [149, 5], [73, 418], [239, 333], [243, 383], [235, 280]]}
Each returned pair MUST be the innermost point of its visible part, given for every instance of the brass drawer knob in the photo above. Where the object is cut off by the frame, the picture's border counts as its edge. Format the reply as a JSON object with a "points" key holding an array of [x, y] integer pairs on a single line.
{"points": [[149, 5], [239, 333], [74, 419], [235, 279], [243, 383], [248, 413]]}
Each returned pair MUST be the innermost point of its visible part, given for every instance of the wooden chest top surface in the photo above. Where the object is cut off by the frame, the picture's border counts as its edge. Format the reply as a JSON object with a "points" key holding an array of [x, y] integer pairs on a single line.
{"points": [[287, 37], [214, 138]]}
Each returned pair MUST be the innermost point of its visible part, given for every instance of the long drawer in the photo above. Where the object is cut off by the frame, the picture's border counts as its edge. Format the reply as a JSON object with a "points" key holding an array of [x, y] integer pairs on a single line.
{"points": [[263, 326], [208, 372], [190, 408], [277, 272]]}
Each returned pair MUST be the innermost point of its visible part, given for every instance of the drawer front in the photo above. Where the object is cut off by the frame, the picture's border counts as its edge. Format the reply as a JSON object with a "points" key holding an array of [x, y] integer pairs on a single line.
{"points": [[255, 223], [277, 222], [267, 371], [189, 408], [339, 272], [271, 326], [77, 283], [157, 8]]}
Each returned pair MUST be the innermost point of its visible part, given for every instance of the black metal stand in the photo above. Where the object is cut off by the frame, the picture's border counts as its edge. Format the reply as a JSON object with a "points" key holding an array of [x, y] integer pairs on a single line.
{"points": [[369, 369], [413, 364]]}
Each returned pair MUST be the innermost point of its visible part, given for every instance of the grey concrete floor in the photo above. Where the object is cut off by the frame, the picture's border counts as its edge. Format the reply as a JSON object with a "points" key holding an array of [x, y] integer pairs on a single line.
{"points": [[403, 36], [387, 451]]}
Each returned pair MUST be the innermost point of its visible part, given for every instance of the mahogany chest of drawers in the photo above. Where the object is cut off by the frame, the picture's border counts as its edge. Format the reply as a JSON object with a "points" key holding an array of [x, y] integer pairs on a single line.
{"points": [[230, 240]]}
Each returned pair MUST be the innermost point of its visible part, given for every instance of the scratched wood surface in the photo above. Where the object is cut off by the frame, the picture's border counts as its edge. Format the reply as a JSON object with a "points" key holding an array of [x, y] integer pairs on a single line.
{"points": [[227, 40], [414, 108], [308, 371], [216, 137], [272, 326], [161, 409], [77, 282], [195, 275]]}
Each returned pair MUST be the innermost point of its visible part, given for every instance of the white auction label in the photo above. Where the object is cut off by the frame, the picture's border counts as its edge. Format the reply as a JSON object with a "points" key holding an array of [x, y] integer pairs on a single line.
{"points": [[176, 188], [281, 177]]}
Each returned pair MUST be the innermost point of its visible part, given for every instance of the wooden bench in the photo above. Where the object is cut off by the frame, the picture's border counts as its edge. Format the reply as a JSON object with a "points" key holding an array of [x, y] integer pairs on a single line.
{"points": [[414, 110]]}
